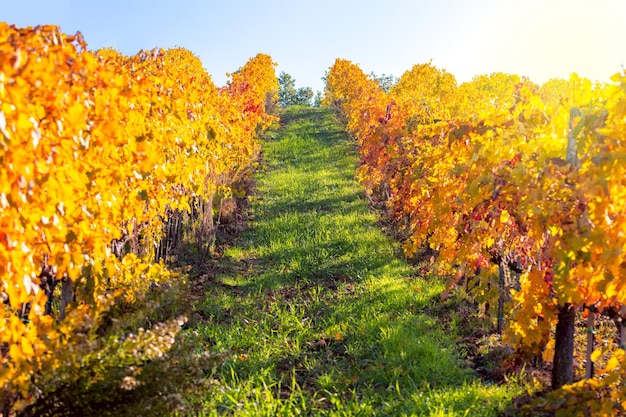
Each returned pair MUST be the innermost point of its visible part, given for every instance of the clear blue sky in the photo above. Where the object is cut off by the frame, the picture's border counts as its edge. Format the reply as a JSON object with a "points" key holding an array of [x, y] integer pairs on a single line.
{"points": [[541, 39]]}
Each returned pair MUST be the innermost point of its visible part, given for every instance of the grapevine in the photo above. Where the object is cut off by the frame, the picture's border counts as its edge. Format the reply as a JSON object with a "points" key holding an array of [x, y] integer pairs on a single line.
{"points": [[501, 174], [97, 149]]}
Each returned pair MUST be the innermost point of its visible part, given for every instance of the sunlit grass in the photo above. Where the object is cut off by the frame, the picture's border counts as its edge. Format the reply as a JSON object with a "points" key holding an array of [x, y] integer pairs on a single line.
{"points": [[320, 316]]}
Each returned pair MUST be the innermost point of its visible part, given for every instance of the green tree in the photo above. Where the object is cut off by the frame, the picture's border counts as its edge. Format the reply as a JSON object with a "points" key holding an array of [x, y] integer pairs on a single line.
{"points": [[304, 96], [287, 93], [317, 100], [384, 81]]}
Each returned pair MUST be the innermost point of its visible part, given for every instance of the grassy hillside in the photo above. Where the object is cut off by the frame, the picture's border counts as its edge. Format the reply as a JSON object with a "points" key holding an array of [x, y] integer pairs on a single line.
{"points": [[315, 313]]}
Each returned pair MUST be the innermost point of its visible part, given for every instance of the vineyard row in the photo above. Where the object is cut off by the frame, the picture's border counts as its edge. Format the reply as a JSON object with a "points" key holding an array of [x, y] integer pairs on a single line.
{"points": [[101, 155], [516, 191]]}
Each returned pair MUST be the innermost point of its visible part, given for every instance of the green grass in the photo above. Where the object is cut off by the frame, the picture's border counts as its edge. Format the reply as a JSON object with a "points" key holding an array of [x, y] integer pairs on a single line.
{"points": [[316, 313]]}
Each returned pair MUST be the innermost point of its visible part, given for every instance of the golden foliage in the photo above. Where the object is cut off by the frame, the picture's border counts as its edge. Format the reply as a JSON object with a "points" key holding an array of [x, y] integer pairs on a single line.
{"points": [[94, 146], [479, 173]]}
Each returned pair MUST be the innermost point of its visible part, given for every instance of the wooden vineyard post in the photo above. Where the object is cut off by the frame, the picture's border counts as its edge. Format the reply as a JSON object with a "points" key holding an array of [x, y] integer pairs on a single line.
{"points": [[67, 295], [563, 367]]}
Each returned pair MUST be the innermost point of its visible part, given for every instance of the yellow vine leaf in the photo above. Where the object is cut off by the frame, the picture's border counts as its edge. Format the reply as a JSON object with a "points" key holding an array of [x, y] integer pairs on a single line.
{"points": [[612, 364], [595, 355], [504, 216]]}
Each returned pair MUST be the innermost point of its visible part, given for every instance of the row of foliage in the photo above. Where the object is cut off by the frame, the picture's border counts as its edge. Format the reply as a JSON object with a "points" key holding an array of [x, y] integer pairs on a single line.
{"points": [[96, 149], [517, 189]]}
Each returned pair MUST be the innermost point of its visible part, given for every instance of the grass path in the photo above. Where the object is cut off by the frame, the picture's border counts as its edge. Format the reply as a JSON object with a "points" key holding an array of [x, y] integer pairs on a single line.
{"points": [[315, 313]]}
